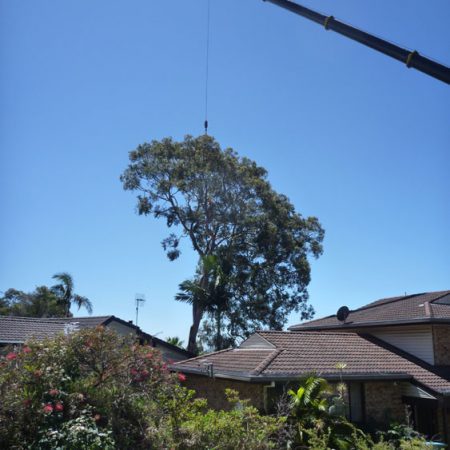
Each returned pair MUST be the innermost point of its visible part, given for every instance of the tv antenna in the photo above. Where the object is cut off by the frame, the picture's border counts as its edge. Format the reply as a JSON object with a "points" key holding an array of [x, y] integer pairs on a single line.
{"points": [[139, 298]]}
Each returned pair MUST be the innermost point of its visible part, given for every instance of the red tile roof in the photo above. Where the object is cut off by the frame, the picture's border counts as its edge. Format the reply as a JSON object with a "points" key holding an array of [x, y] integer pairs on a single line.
{"points": [[299, 353], [431, 307]]}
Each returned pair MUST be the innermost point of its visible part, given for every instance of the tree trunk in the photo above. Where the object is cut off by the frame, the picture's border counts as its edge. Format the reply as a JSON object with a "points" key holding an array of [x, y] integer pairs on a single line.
{"points": [[218, 330], [197, 315]]}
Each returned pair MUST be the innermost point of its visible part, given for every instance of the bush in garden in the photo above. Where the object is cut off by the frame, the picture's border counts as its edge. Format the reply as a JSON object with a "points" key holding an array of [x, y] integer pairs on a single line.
{"points": [[87, 380], [319, 419], [96, 390], [241, 428]]}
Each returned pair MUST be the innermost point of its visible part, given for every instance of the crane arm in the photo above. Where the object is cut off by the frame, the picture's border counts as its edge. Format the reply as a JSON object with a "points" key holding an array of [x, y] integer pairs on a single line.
{"points": [[410, 58]]}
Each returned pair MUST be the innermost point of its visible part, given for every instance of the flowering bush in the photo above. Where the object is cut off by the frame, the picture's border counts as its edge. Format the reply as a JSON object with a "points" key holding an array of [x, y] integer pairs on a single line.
{"points": [[97, 390], [92, 386]]}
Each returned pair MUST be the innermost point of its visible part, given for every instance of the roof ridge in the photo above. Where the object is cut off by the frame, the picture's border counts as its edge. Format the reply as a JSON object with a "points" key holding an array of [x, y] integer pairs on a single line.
{"points": [[35, 319], [41, 319], [266, 361], [327, 332], [443, 294], [204, 356], [304, 331], [387, 301]]}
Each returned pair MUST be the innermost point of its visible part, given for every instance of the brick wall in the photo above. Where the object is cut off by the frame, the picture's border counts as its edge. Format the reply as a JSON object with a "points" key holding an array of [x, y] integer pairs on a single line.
{"points": [[213, 389], [441, 344], [383, 402]]}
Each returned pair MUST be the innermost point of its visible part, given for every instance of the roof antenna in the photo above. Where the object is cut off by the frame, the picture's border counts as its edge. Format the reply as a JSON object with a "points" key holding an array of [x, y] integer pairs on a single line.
{"points": [[139, 298], [207, 67]]}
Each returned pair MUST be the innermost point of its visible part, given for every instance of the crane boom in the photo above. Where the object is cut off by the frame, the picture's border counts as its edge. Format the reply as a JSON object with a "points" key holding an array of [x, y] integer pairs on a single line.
{"points": [[410, 58]]}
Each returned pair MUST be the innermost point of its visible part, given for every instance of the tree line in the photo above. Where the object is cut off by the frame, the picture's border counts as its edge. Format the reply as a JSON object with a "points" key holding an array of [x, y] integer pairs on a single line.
{"points": [[44, 301]]}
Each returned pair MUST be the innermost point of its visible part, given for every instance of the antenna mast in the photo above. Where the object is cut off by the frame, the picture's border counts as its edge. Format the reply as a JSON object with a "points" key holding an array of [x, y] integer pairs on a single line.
{"points": [[139, 298]]}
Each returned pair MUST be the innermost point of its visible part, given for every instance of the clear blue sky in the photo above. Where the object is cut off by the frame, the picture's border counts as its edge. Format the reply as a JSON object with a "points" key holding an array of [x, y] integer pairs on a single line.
{"points": [[349, 135]]}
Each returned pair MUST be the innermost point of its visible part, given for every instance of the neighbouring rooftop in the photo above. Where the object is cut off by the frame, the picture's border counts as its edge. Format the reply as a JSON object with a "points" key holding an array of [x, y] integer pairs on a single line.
{"points": [[429, 307], [276, 355]]}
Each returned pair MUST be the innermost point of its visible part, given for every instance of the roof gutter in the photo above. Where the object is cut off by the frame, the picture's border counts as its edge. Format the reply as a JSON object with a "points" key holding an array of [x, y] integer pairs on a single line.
{"points": [[245, 376], [352, 325]]}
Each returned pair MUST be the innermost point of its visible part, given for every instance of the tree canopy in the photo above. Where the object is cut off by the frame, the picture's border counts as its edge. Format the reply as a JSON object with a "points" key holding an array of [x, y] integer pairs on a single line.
{"points": [[252, 245], [44, 301]]}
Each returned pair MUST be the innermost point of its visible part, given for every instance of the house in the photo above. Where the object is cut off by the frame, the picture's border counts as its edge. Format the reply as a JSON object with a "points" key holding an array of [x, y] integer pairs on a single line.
{"points": [[17, 330], [393, 355]]}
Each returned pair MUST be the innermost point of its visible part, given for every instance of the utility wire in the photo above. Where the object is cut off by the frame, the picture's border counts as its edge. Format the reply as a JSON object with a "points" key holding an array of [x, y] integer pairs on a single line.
{"points": [[207, 65]]}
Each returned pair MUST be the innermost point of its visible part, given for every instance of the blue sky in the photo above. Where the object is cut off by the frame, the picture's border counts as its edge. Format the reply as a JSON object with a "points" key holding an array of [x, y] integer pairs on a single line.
{"points": [[349, 135]]}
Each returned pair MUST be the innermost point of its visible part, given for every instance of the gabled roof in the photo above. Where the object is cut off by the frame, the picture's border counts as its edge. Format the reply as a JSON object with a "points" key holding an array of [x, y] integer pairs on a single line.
{"points": [[295, 354], [430, 307]]}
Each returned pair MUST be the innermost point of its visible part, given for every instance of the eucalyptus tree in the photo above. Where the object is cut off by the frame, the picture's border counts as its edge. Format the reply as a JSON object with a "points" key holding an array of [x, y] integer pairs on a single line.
{"points": [[225, 206]]}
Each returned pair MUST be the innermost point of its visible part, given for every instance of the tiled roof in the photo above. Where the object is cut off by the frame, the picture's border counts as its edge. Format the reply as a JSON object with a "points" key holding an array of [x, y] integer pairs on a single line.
{"points": [[17, 330], [427, 307], [300, 353], [231, 361]]}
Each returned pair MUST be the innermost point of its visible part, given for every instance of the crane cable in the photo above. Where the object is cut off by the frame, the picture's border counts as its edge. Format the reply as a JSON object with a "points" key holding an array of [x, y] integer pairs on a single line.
{"points": [[207, 66]]}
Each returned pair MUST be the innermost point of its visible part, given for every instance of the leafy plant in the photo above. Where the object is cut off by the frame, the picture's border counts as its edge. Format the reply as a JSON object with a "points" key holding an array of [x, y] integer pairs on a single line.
{"points": [[317, 417], [95, 390]]}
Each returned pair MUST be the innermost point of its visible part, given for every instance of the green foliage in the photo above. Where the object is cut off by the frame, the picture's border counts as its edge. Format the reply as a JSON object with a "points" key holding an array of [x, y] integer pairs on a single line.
{"points": [[404, 437], [66, 294], [228, 210], [49, 389], [80, 433], [319, 426], [44, 301], [241, 428], [309, 400], [96, 390], [175, 340]]}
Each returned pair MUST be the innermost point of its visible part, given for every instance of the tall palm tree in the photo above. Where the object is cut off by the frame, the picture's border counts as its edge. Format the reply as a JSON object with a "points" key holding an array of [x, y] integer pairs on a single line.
{"points": [[65, 292]]}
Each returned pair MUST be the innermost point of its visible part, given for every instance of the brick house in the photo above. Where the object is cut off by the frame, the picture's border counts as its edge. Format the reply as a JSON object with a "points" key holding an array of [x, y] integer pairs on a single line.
{"points": [[392, 354], [17, 330]]}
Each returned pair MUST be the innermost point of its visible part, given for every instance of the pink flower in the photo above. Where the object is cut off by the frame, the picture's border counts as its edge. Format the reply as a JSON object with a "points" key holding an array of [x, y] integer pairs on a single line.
{"points": [[145, 373], [149, 356], [59, 407], [181, 376], [11, 356], [53, 392], [48, 409], [133, 371], [26, 349]]}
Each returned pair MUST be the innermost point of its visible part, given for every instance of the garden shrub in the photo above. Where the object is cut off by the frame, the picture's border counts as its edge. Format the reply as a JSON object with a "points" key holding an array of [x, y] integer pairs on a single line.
{"points": [[94, 389]]}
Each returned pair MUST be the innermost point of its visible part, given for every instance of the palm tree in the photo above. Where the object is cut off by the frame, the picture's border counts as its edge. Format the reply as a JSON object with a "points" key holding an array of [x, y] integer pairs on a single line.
{"points": [[175, 341], [309, 399], [208, 294], [65, 292]]}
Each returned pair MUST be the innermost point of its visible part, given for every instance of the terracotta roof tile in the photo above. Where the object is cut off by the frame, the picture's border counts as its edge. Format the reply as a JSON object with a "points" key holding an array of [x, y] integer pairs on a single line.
{"points": [[411, 308], [299, 353]]}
